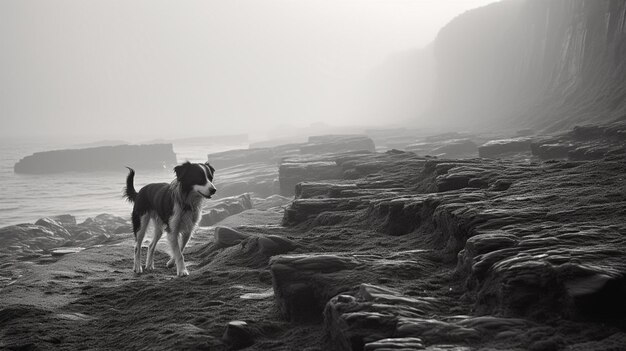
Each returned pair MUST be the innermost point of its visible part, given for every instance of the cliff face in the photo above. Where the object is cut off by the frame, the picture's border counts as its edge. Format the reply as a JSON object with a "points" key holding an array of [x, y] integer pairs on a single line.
{"points": [[540, 64]]}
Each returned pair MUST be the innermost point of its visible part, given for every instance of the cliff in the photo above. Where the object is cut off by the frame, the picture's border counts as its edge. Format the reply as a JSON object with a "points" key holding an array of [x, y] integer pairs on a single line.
{"points": [[104, 158], [540, 64]]}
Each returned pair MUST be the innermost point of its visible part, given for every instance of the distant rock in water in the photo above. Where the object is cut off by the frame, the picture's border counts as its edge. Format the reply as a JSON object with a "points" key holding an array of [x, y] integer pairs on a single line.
{"points": [[99, 143], [104, 158]]}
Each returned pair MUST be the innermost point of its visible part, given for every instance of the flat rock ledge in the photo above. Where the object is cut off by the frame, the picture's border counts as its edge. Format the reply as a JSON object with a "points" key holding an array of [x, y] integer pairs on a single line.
{"points": [[377, 318], [516, 230], [304, 283]]}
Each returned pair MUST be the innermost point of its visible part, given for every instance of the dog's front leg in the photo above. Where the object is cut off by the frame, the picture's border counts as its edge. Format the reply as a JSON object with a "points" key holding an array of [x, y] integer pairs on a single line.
{"points": [[177, 254], [185, 238]]}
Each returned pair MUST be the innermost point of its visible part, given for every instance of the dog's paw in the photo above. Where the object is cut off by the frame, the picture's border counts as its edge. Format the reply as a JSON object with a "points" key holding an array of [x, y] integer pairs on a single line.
{"points": [[170, 263], [149, 267], [183, 273], [138, 270]]}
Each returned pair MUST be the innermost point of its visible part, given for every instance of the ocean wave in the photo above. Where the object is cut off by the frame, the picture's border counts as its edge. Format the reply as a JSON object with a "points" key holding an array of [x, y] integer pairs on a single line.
{"points": [[26, 198], [4, 209]]}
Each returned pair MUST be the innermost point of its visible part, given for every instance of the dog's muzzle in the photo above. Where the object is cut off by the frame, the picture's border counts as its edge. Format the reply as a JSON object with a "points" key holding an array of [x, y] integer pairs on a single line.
{"points": [[211, 192]]}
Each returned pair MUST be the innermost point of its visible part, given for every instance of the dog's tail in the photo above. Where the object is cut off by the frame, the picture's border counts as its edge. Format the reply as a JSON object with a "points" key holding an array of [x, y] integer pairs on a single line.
{"points": [[129, 192]]}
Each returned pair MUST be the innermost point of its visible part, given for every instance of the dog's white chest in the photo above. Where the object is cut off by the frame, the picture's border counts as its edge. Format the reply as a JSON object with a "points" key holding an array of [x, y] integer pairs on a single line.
{"points": [[184, 220]]}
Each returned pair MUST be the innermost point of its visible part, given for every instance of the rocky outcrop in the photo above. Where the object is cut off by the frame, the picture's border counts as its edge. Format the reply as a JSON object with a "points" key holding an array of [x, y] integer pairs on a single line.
{"points": [[58, 235], [592, 142], [528, 240], [339, 167], [291, 173], [106, 158], [231, 247], [447, 148], [504, 147], [259, 179], [379, 318], [241, 156], [336, 143], [545, 65], [316, 145], [304, 283], [254, 170], [238, 335]]}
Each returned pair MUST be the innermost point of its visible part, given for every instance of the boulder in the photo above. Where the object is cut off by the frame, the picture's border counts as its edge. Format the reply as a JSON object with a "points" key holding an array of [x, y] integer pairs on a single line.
{"points": [[271, 245], [215, 211], [304, 283], [65, 219], [292, 173], [54, 226], [226, 237], [104, 221], [31, 236], [244, 250], [59, 237], [375, 316], [238, 335], [303, 210]]}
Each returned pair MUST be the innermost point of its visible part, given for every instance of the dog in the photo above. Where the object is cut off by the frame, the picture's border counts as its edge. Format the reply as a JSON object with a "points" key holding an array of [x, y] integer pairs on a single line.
{"points": [[175, 207]]}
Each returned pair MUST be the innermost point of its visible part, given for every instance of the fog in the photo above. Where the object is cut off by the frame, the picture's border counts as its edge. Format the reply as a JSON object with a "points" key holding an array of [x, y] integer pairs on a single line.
{"points": [[166, 69]]}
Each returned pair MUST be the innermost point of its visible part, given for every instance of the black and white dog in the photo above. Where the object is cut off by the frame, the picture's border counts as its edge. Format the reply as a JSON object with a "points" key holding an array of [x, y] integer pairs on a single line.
{"points": [[173, 207]]}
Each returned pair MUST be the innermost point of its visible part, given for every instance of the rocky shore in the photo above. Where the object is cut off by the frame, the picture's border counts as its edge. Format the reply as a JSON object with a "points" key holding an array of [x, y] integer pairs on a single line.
{"points": [[523, 249]]}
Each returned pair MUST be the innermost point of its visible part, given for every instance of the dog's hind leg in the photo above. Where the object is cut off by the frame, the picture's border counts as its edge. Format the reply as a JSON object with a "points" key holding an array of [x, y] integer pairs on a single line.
{"points": [[170, 263], [139, 235], [158, 231]]}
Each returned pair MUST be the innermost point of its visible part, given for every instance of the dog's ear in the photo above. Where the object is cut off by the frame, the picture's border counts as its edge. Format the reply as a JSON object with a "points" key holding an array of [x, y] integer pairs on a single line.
{"points": [[180, 170], [210, 167]]}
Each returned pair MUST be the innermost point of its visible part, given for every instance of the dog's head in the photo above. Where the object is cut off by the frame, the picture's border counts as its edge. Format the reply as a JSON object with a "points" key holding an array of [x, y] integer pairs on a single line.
{"points": [[196, 178]]}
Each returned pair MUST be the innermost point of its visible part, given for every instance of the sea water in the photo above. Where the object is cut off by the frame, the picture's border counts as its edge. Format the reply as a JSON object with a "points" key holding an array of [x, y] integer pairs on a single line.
{"points": [[24, 198]]}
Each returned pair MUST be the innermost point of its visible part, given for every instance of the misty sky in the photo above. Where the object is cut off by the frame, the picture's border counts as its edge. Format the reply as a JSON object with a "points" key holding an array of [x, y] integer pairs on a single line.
{"points": [[158, 68]]}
